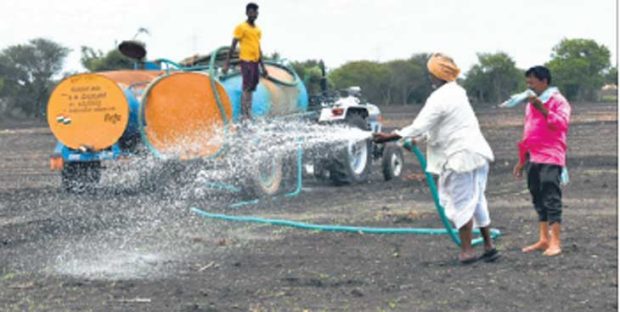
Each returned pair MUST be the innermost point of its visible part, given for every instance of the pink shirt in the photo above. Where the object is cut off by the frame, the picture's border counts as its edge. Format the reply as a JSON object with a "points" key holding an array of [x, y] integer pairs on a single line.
{"points": [[544, 138]]}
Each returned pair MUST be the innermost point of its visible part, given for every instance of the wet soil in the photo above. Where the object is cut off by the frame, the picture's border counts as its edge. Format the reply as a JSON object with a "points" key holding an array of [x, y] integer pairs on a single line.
{"points": [[120, 249]]}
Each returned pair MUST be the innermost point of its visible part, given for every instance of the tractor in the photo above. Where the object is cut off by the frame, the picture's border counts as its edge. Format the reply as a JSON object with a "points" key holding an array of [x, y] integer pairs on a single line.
{"points": [[351, 163]]}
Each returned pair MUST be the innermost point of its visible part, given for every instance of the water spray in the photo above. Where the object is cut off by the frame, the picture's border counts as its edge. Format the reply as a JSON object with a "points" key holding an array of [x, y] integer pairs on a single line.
{"points": [[448, 229]]}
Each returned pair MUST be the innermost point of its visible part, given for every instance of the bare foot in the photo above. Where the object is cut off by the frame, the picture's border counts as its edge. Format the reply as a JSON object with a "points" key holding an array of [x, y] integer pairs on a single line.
{"points": [[540, 245], [468, 257], [552, 251]]}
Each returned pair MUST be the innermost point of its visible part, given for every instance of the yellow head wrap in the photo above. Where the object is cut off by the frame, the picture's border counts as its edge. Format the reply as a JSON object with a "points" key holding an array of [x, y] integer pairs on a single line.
{"points": [[443, 67]]}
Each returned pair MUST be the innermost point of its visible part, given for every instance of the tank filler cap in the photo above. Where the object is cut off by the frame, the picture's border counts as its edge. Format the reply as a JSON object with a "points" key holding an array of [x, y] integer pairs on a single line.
{"points": [[133, 49]]}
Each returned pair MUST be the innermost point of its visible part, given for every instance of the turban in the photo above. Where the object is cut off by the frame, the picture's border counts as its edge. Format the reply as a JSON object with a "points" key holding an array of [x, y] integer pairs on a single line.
{"points": [[443, 67]]}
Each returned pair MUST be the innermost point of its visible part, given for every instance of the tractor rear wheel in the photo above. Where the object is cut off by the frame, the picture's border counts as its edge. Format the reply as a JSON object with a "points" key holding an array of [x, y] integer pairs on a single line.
{"points": [[351, 163]]}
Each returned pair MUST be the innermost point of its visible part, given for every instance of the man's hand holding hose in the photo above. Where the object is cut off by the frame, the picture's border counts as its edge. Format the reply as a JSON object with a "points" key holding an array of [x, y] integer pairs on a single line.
{"points": [[382, 137]]}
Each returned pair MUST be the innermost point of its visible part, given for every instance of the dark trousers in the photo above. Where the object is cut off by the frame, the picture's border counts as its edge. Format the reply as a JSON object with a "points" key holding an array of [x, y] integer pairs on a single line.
{"points": [[250, 77], [543, 180]]}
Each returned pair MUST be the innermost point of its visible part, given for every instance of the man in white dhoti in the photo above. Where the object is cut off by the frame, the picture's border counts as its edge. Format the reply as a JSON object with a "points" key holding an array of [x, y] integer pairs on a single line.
{"points": [[457, 152]]}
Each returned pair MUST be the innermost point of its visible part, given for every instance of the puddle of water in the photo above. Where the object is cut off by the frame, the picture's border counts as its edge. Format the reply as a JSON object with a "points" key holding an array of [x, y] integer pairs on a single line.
{"points": [[115, 264]]}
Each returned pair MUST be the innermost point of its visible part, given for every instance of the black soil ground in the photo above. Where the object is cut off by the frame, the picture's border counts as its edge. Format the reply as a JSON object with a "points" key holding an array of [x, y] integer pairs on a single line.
{"points": [[118, 248]]}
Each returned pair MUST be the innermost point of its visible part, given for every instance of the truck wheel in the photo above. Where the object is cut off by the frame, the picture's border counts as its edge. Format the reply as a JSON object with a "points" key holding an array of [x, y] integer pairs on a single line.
{"points": [[290, 171], [351, 163], [393, 162], [78, 177], [261, 169], [264, 178]]}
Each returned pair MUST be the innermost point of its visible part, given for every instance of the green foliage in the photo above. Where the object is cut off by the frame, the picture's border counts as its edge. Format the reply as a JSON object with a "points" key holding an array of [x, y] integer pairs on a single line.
{"points": [[273, 56], [403, 77], [372, 77], [421, 81], [399, 81], [26, 71], [310, 72], [113, 60], [578, 68], [494, 78]]}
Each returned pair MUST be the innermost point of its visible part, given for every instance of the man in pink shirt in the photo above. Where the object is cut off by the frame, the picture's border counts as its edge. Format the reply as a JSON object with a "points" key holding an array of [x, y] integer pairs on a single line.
{"points": [[542, 153]]}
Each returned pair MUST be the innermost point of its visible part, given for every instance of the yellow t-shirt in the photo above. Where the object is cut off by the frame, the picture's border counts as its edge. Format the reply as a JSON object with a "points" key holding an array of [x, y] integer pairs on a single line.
{"points": [[249, 40]]}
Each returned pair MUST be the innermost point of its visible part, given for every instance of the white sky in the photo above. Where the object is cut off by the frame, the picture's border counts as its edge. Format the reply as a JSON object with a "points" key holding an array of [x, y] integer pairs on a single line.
{"points": [[334, 30]]}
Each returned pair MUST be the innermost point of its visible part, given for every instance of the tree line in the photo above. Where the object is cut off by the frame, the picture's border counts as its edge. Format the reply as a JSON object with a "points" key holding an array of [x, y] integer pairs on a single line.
{"points": [[579, 67]]}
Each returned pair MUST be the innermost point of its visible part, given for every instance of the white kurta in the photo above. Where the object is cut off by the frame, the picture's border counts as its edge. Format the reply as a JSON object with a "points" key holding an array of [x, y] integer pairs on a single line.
{"points": [[456, 150], [450, 126]]}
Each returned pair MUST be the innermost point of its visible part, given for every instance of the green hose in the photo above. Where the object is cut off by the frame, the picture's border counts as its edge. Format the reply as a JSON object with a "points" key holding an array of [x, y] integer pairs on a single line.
{"points": [[168, 62], [220, 106], [431, 184], [365, 230], [320, 227]]}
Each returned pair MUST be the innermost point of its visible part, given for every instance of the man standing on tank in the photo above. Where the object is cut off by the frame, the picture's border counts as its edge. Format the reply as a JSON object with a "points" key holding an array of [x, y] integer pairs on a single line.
{"points": [[248, 35]]}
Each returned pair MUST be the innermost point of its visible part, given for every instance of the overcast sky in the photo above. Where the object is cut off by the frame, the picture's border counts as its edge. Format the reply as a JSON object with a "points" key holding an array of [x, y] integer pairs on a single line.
{"points": [[334, 30]]}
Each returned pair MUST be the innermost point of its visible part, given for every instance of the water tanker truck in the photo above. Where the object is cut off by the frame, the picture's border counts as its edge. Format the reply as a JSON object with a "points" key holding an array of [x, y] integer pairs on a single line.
{"points": [[187, 113], [182, 113]]}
